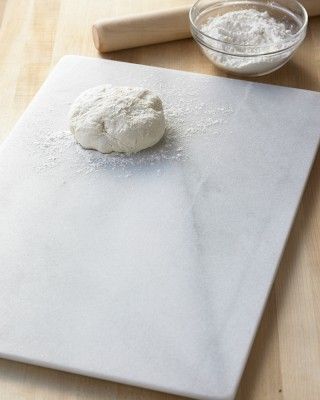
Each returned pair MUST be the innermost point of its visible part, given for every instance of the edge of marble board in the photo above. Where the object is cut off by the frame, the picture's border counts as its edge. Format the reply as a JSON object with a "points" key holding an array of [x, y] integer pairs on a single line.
{"points": [[179, 71], [114, 379], [68, 57]]}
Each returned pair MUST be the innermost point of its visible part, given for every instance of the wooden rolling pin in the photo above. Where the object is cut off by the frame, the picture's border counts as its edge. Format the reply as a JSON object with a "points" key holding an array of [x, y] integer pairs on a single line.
{"points": [[154, 27], [141, 29]]}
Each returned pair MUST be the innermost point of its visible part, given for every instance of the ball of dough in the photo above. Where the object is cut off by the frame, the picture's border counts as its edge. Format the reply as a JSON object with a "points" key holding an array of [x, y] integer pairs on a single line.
{"points": [[120, 119]]}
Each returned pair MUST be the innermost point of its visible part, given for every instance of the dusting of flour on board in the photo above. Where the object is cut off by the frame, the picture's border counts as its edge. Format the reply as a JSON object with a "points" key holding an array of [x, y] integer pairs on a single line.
{"points": [[57, 147]]}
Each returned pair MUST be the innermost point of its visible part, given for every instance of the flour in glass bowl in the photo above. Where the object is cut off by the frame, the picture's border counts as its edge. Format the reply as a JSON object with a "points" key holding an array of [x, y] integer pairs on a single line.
{"points": [[252, 28]]}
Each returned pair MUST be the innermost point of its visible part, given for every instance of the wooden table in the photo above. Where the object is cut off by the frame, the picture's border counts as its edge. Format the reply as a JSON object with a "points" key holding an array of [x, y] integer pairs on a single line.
{"points": [[285, 359]]}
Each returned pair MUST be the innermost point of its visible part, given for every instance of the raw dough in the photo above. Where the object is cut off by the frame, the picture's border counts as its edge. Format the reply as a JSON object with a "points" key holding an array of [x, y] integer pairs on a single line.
{"points": [[121, 119]]}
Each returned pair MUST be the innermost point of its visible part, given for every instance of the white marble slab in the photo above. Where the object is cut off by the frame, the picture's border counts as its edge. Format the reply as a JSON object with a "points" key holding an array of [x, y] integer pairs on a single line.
{"points": [[152, 271]]}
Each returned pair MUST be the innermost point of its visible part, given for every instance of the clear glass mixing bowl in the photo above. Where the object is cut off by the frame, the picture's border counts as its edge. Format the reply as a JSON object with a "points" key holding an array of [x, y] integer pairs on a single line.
{"points": [[248, 60]]}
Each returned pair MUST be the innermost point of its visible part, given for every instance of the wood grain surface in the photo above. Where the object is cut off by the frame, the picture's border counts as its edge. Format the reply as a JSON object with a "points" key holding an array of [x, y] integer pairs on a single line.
{"points": [[284, 362]]}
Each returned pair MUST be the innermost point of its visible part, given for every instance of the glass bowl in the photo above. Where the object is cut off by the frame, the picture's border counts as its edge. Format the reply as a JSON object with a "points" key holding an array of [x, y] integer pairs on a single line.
{"points": [[249, 60]]}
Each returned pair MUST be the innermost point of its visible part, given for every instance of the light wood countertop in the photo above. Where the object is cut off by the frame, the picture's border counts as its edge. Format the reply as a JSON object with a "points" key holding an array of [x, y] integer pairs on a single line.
{"points": [[285, 360]]}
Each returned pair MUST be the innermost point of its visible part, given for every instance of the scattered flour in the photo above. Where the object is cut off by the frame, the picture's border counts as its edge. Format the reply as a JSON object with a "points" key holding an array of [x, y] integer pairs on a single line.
{"points": [[60, 147]]}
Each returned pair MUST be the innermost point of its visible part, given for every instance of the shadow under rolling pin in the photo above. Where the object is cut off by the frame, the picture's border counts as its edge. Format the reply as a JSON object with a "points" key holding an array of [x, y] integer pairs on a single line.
{"points": [[141, 29]]}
